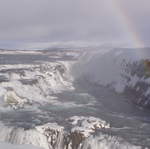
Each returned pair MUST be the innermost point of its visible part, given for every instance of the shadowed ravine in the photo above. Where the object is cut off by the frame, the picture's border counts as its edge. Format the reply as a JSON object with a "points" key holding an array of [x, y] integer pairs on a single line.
{"points": [[54, 100]]}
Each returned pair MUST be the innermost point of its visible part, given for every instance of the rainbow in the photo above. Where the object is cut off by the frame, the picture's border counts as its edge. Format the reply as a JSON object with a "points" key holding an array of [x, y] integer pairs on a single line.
{"points": [[129, 27]]}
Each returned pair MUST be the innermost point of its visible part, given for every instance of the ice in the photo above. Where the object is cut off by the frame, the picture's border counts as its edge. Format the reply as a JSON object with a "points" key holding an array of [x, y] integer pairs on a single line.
{"points": [[10, 146], [107, 142], [35, 83], [87, 125]]}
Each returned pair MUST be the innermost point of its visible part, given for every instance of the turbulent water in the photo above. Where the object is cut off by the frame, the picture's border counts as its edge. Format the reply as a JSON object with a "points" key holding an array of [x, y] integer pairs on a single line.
{"points": [[75, 99]]}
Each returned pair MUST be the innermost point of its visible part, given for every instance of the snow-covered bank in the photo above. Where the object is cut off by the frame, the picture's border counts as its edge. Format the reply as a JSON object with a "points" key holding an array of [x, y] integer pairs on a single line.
{"points": [[125, 70]]}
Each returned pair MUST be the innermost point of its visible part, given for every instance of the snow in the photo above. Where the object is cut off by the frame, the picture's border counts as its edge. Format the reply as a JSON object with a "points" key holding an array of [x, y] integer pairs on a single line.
{"points": [[107, 142], [51, 126], [87, 125], [12, 99], [34, 83], [53, 135], [31, 84], [10, 146]]}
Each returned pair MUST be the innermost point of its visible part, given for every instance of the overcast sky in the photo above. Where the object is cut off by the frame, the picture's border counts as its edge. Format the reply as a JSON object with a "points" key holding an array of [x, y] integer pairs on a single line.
{"points": [[29, 22]]}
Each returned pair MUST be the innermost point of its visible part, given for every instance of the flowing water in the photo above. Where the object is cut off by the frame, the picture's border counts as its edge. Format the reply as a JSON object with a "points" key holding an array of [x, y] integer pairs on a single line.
{"points": [[72, 118]]}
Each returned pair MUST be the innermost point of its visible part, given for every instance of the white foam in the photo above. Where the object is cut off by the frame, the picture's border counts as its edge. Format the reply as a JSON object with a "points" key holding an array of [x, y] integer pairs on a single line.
{"points": [[48, 79], [107, 142], [10, 146]]}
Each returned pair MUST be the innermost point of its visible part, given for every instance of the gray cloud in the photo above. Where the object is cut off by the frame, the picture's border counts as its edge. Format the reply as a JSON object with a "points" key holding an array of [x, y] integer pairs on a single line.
{"points": [[28, 21]]}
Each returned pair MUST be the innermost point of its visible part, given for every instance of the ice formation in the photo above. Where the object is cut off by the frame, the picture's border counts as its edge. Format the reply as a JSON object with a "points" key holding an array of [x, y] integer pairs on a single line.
{"points": [[26, 84]]}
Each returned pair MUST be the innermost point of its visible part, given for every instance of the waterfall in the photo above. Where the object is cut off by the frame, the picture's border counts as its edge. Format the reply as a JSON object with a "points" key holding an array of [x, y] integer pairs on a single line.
{"points": [[107, 142]]}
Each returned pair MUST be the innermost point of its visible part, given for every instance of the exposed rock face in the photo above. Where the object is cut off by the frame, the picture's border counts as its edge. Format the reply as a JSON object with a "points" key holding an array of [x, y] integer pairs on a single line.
{"points": [[87, 125], [54, 136], [137, 82], [83, 127]]}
